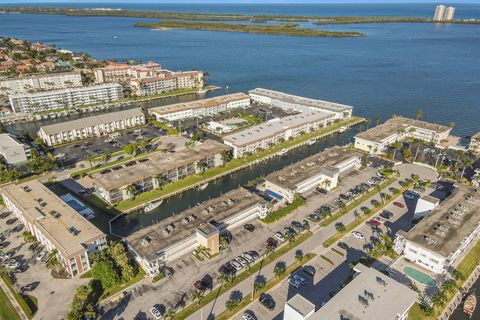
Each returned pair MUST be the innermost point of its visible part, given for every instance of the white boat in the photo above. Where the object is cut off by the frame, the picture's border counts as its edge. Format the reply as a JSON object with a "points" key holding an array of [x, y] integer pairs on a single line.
{"points": [[203, 186], [152, 206], [200, 91], [282, 152], [310, 142], [342, 129]]}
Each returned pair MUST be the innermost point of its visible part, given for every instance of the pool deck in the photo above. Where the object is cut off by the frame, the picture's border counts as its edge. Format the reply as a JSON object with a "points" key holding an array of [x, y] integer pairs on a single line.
{"points": [[397, 273]]}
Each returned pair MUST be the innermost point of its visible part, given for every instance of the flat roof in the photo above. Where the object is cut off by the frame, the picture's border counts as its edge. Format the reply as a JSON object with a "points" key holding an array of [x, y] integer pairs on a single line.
{"points": [[198, 104], [294, 174], [476, 136], [58, 228], [314, 103], [45, 75], [455, 218], [274, 127], [157, 163], [301, 305], [7, 142], [395, 124], [91, 121], [60, 91], [369, 295], [218, 209]]}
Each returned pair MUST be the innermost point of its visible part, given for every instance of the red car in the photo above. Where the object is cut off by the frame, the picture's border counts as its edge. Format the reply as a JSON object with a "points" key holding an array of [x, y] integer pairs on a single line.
{"points": [[376, 223], [272, 242], [399, 204]]}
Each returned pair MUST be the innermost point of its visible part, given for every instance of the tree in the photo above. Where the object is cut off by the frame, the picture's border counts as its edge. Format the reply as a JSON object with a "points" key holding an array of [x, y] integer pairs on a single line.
{"points": [[52, 262], [131, 148], [466, 162], [231, 304], [368, 121], [160, 180], [340, 227], [169, 314], [131, 190], [439, 299], [120, 256], [356, 214], [28, 237], [89, 158], [419, 144], [419, 113], [279, 270], [83, 302], [378, 119], [197, 296], [327, 183], [106, 273], [226, 156], [201, 166], [397, 145], [299, 256]]}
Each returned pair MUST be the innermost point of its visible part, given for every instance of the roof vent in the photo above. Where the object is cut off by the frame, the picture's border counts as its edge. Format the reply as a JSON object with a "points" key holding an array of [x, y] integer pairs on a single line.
{"points": [[73, 231], [146, 241]]}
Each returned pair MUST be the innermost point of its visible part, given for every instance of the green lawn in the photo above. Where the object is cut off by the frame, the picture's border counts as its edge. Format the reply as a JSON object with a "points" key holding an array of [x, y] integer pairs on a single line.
{"points": [[230, 166], [7, 311], [170, 131], [107, 293], [29, 304]]}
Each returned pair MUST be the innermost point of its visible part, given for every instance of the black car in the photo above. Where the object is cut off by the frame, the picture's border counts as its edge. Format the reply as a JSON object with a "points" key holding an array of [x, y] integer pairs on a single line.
{"points": [[18, 228], [309, 270], [4, 215], [4, 244], [321, 190], [267, 301], [343, 245], [32, 247], [313, 217], [254, 254], [11, 221], [249, 227], [386, 214]]}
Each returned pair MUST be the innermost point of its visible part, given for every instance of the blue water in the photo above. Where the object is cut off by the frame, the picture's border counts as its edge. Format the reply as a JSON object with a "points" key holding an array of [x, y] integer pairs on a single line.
{"points": [[396, 69]]}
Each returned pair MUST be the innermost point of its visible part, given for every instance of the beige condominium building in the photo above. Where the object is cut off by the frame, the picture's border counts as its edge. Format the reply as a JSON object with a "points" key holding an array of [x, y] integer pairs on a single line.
{"points": [[51, 81], [439, 12], [171, 238], [65, 98], [112, 185], [397, 128], [119, 72], [300, 104], [446, 233], [270, 133], [312, 172], [369, 295], [474, 144], [201, 108], [93, 126], [13, 150], [167, 81], [54, 224]]}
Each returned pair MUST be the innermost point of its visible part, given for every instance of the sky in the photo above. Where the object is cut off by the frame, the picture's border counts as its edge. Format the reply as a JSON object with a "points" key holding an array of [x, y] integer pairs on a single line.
{"points": [[248, 1]]}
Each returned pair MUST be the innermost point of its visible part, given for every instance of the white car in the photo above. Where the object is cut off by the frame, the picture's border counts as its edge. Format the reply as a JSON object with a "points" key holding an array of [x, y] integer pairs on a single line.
{"points": [[294, 283], [279, 236], [155, 313], [242, 261], [247, 257], [410, 196], [40, 256], [246, 316], [357, 234], [236, 265]]}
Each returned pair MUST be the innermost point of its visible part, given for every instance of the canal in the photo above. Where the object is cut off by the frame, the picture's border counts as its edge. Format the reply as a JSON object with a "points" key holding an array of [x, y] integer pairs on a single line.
{"points": [[458, 314]]}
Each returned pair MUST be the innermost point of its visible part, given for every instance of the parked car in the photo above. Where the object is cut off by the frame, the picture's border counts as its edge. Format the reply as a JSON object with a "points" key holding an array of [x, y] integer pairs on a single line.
{"points": [[249, 227], [156, 313], [167, 271], [343, 245], [279, 236], [247, 257], [300, 279], [18, 228], [242, 261], [248, 316], [254, 254], [322, 190], [309, 270], [272, 242], [11, 221], [358, 235], [40, 256], [313, 217], [294, 283], [4, 244], [398, 204], [236, 265], [374, 223], [267, 301], [386, 214], [4, 214], [379, 219]]}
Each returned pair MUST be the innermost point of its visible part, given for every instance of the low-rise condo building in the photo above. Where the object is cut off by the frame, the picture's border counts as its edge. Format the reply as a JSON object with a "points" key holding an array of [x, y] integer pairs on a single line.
{"points": [[320, 170], [54, 224], [370, 295], [94, 126], [474, 144], [121, 72], [268, 134], [201, 108], [114, 185], [167, 81], [65, 98], [300, 104], [13, 150], [445, 234], [377, 139], [51, 81], [180, 234]]}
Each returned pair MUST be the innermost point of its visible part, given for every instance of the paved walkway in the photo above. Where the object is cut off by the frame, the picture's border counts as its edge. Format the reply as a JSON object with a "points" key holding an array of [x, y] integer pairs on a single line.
{"points": [[14, 302]]}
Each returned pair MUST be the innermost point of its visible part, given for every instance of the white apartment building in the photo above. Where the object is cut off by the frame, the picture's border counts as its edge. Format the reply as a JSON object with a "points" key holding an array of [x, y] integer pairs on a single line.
{"points": [[13, 150], [201, 108], [439, 13], [449, 14], [370, 295], [157, 245], [445, 234], [52, 81], [312, 172], [474, 144], [54, 224], [167, 82], [66, 98], [116, 72], [300, 104], [94, 126], [377, 139], [267, 134]]}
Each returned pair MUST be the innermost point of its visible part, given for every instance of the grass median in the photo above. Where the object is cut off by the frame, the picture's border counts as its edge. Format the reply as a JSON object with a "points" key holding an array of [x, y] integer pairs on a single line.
{"points": [[189, 310], [7, 311], [28, 303]]}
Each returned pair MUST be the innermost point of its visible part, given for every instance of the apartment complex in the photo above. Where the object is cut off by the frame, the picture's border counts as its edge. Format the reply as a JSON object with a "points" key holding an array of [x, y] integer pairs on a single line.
{"points": [[13, 150], [474, 144], [300, 104], [443, 13], [171, 238], [445, 234], [120, 72], [65, 98], [370, 295], [201, 108], [167, 82], [267, 134], [93, 126], [52, 81], [397, 128], [54, 224], [312, 172], [150, 173]]}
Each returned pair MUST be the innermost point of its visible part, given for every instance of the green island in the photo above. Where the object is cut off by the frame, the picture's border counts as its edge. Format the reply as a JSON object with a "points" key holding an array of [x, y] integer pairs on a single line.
{"points": [[281, 29]]}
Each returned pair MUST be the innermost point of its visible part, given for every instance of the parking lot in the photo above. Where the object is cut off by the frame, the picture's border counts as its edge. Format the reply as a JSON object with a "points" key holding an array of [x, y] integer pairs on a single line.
{"points": [[28, 271]]}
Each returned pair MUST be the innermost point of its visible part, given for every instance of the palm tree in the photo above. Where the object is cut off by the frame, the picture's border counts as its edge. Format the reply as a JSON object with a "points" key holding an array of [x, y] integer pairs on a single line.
{"points": [[89, 158], [466, 163], [201, 166], [52, 262], [419, 144], [451, 124], [397, 145], [356, 214], [169, 314], [131, 190], [368, 121], [340, 227], [327, 183], [223, 279], [196, 296], [419, 113], [279, 271], [160, 180], [378, 119]]}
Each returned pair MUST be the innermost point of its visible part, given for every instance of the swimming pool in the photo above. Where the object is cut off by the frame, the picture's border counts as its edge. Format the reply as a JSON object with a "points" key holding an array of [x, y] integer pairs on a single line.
{"points": [[419, 276]]}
